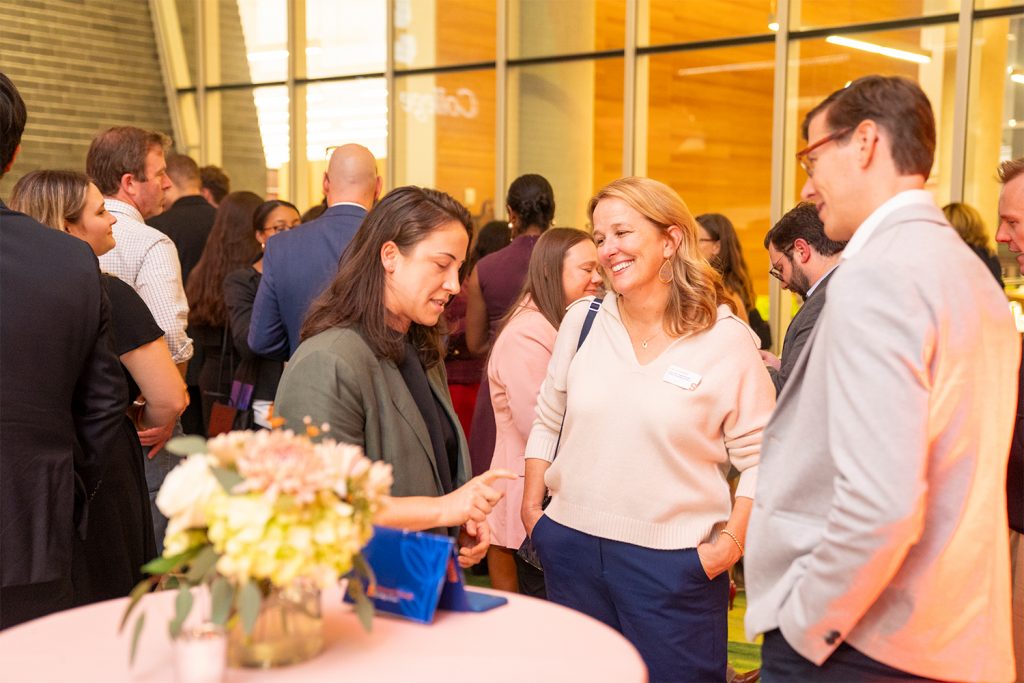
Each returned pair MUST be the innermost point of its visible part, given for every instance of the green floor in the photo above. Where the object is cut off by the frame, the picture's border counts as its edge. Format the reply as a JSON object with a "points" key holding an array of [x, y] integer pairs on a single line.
{"points": [[743, 655]]}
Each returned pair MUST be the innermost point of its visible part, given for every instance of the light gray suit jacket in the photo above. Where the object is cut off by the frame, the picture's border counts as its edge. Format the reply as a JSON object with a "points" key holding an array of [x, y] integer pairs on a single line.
{"points": [[335, 378], [880, 513], [798, 332]]}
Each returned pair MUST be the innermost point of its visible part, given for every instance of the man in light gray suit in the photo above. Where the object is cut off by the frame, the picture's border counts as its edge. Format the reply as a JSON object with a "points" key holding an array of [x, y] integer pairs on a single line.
{"points": [[877, 545], [802, 258]]}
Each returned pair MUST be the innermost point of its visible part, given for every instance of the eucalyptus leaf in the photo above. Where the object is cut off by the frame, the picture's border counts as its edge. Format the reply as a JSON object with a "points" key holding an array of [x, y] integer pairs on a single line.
{"points": [[248, 601], [362, 604], [201, 565], [186, 445], [182, 606], [228, 479], [163, 565], [141, 588], [136, 632], [222, 593]]}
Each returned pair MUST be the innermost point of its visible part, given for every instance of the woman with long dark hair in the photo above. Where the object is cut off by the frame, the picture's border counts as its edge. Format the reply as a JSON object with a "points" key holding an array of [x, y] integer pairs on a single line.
{"points": [[370, 362], [231, 246], [563, 268], [720, 245], [240, 286]]}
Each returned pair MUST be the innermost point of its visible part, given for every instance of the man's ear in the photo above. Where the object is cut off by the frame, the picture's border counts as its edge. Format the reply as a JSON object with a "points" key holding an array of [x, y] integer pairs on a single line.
{"points": [[802, 250], [866, 139], [326, 184], [127, 184]]}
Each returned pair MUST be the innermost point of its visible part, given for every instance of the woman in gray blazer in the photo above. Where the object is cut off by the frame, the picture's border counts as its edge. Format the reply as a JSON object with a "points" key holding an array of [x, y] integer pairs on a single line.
{"points": [[370, 364]]}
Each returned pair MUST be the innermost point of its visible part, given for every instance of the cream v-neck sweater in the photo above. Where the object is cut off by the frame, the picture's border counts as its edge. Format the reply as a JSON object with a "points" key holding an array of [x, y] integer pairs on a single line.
{"points": [[642, 459]]}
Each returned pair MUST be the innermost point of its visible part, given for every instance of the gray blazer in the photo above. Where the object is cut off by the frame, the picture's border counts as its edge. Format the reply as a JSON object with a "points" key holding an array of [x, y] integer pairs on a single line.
{"points": [[798, 332], [335, 378], [880, 514]]}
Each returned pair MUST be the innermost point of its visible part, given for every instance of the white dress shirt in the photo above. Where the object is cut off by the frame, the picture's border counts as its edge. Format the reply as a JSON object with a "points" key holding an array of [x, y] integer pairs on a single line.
{"points": [[147, 260]]}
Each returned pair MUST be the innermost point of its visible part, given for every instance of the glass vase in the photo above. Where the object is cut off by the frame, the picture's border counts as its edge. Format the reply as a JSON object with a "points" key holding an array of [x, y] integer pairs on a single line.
{"points": [[288, 630]]}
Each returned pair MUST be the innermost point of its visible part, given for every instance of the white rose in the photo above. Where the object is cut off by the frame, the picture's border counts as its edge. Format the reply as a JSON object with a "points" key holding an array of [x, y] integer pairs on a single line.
{"points": [[184, 494]]}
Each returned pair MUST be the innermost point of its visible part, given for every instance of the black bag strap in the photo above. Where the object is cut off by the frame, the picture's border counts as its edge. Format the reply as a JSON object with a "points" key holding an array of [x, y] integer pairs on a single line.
{"points": [[588, 322]]}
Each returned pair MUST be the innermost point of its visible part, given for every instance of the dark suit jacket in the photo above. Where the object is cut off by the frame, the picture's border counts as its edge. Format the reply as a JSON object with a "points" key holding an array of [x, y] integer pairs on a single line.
{"points": [[187, 223], [297, 266], [798, 332], [62, 392], [335, 378], [1015, 466]]}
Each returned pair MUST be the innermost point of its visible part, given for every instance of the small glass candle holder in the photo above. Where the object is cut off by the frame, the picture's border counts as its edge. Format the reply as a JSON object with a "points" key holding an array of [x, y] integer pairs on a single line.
{"points": [[200, 654]]}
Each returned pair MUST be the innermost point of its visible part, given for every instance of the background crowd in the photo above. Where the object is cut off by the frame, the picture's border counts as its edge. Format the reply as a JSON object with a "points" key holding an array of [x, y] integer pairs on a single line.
{"points": [[643, 438]]}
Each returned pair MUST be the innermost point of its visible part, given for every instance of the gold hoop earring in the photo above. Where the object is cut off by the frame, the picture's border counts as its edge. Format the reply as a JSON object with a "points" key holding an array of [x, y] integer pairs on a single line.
{"points": [[671, 276]]}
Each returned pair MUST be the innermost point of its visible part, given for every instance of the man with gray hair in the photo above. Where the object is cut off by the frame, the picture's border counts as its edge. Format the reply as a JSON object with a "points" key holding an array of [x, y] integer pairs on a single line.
{"points": [[1011, 233], [298, 264]]}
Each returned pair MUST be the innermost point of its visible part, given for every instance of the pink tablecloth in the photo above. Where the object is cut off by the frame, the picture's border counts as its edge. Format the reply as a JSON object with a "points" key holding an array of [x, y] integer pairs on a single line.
{"points": [[526, 640]]}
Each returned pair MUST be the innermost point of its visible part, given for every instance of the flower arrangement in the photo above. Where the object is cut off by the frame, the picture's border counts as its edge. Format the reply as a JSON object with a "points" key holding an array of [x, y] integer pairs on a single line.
{"points": [[250, 512]]}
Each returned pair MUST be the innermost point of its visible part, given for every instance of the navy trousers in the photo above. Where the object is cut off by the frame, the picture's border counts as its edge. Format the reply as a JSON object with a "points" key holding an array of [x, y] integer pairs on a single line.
{"points": [[660, 600], [780, 663]]}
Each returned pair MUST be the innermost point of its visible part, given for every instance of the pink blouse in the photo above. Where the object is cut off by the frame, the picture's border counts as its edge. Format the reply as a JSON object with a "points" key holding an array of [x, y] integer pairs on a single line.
{"points": [[517, 367]]}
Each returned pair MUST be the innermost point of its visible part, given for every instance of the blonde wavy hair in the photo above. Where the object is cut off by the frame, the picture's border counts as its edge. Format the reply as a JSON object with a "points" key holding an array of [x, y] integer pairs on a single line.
{"points": [[696, 290]]}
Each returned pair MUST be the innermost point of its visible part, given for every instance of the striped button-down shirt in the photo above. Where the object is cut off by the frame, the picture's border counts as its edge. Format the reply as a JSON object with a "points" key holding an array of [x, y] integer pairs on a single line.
{"points": [[147, 260]]}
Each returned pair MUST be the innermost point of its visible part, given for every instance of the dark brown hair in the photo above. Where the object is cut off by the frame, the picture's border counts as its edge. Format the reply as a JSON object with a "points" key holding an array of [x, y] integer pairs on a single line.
{"points": [[729, 261], [802, 222], [355, 298], [13, 117], [543, 282], [895, 104], [232, 245], [533, 200], [214, 179], [120, 150]]}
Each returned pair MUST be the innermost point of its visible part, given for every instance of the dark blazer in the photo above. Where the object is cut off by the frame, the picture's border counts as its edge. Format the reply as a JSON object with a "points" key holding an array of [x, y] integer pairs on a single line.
{"points": [[62, 391], [187, 223], [297, 266], [799, 330], [335, 378], [1015, 466]]}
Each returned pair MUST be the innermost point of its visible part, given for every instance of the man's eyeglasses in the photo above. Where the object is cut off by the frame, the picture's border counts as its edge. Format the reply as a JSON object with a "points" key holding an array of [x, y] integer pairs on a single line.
{"points": [[803, 158], [776, 270]]}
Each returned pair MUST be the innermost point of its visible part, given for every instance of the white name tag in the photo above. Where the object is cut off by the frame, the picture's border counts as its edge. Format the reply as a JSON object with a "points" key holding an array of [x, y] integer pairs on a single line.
{"points": [[681, 378]]}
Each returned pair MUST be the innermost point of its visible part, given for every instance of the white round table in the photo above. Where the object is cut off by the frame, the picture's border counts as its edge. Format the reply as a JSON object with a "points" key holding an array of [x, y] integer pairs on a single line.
{"points": [[526, 640]]}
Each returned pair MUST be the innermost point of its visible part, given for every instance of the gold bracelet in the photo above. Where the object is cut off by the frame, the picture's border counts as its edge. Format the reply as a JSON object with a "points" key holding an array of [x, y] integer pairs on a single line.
{"points": [[734, 540]]}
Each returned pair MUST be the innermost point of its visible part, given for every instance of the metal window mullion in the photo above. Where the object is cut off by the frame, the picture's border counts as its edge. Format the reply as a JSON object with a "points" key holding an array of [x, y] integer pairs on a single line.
{"points": [[391, 86], [960, 100], [500, 105], [779, 313], [204, 138], [629, 90]]}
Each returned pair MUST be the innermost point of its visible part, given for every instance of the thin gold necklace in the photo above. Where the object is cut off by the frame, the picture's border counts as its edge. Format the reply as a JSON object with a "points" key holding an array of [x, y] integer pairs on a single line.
{"points": [[643, 342]]}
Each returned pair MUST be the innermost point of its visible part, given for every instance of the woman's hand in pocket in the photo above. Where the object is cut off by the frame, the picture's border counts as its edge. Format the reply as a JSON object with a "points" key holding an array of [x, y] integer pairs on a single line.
{"points": [[718, 557]]}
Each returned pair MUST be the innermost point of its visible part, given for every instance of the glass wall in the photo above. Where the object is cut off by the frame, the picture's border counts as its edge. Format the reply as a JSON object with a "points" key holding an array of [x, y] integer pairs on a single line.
{"points": [[995, 117], [470, 94], [444, 135]]}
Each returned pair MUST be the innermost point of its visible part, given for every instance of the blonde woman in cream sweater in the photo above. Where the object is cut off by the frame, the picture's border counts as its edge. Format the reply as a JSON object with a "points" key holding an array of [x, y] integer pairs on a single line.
{"points": [[667, 392]]}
